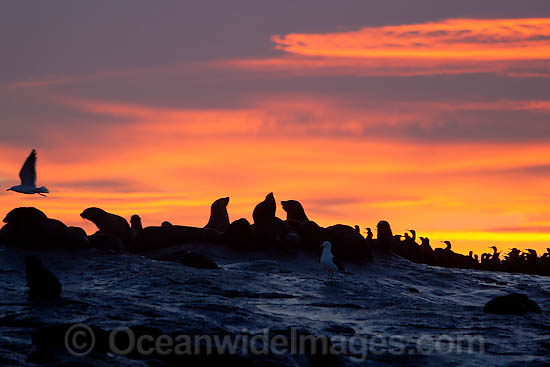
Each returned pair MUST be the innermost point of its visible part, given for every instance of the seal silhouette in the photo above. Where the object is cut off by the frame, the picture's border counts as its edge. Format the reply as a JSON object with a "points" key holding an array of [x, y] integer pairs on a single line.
{"points": [[30, 227], [109, 223], [43, 284], [294, 210], [272, 230], [264, 212], [219, 219]]}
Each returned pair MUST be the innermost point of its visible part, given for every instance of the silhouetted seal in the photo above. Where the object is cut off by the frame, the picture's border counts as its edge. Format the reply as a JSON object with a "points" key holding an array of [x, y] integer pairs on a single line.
{"points": [[347, 243], [240, 235], [384, 239], [219, 219], [109, 223], [135, 226], [264, 212], [25, 216], [43, 284], [311, 235], [270, 230], [30, 227], [135, 223], [294, 210]]}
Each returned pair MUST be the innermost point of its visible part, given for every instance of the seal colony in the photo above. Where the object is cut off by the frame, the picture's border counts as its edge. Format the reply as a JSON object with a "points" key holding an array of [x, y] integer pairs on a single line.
{"points": [[30, 228]]}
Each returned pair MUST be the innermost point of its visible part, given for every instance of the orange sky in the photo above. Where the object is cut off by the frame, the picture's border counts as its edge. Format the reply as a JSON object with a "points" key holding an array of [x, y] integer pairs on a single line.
{"points": [[452, 167]]}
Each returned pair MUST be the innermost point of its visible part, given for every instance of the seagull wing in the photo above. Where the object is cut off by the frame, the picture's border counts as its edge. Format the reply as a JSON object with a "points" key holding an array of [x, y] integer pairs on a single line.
{"points": [[28, 171]]}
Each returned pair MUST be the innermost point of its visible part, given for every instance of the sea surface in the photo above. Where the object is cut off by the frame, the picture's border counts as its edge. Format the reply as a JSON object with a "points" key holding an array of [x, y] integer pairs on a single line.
{"points": [[392, 312]]}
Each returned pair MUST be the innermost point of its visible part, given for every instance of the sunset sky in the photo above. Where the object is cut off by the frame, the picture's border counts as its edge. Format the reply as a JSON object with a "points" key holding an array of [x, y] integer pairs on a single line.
{"points": [[433, 115]]}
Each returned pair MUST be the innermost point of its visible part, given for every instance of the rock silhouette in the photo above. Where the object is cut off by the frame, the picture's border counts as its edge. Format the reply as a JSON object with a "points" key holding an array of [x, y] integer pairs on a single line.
{"points": [[151, 238], [513, 304], [187, 258]]}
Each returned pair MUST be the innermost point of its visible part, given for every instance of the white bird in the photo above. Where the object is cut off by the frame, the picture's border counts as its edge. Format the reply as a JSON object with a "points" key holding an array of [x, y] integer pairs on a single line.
{"points": [[28, 178], [328, 262]]}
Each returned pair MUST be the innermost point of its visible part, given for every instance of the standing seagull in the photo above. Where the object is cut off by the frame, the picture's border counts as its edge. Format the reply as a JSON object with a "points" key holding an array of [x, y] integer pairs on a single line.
{"points": [[28, 178], [328, 261]]}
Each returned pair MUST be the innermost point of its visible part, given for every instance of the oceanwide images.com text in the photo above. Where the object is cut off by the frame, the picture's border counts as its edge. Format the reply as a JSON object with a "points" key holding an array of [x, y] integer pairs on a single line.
{"points": [[81, 340]]}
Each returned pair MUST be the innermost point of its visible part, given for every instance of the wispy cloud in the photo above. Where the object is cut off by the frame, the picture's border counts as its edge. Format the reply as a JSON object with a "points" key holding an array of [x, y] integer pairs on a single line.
{"points": [[516, 47], [456, 39]]}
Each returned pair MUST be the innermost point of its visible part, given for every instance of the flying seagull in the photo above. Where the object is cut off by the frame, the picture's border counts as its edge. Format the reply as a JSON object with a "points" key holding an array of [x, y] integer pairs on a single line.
{"points": [[28, 178], [328, 262]]}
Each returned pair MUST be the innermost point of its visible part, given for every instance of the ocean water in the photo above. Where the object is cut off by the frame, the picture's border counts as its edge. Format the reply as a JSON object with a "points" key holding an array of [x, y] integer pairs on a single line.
{"points": [[387, 313]]}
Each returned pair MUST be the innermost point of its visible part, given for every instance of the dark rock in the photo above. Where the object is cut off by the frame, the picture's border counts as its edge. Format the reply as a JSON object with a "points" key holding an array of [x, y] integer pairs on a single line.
{"points": [[513, 304], [190, 259], [78, 231], [151, 238], [340, 329], [180, 255], [105, 241], [52, 338]]}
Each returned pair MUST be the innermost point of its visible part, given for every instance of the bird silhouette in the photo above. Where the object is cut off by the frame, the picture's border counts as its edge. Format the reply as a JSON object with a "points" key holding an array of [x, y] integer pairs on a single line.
{"points": [[28, 178]]}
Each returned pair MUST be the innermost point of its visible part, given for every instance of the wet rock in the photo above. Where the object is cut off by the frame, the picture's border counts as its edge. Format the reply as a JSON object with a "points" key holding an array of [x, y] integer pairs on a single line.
{"points": [[340, 329], [105, 241], [187, 258], [151, 238], [195, 260], [52, 337], [512, 304], [245, 294]]}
